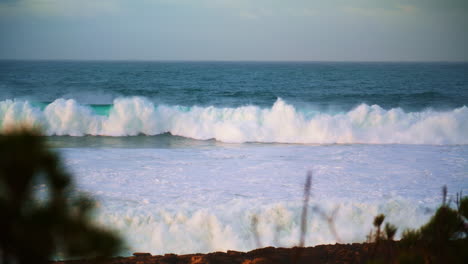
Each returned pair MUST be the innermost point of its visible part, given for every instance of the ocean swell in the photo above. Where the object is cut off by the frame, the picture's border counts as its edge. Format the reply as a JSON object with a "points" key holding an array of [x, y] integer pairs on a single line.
{"points": [[282, 123]]}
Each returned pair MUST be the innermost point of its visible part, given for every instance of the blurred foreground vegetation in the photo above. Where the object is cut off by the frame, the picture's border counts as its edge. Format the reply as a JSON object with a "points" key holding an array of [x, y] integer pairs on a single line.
{"points": [[42, 216], [443, 239]]}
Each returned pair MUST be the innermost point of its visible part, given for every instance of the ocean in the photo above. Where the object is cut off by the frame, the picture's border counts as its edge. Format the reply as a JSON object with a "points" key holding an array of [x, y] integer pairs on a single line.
{"points": [[182, 156]]}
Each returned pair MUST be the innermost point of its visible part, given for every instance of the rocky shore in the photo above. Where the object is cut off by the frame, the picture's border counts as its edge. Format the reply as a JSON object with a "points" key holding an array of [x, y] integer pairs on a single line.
{"points": [[338, 253]]}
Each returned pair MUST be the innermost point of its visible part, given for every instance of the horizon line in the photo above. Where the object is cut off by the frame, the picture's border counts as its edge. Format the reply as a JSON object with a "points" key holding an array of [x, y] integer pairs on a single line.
{"points": [[238, 61]]}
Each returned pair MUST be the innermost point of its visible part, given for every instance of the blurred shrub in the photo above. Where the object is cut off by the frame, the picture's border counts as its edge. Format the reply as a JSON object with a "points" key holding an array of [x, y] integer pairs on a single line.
{"points": [[41, 215], [390, 231], [441, 240]]}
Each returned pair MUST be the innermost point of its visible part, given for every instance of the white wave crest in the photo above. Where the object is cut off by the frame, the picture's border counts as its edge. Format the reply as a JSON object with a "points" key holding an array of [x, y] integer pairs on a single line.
{"points": [[281, 123], [160, 231]]}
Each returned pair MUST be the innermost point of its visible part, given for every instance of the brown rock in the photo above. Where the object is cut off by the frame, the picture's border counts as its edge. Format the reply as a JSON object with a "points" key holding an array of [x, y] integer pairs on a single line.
{"points": [[258, 261], [330, 254], [198, 260], [234, 253]]}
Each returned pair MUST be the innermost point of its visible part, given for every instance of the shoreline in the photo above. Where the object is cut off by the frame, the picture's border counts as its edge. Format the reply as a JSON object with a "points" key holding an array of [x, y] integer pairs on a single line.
{"points": [[332, 253]]}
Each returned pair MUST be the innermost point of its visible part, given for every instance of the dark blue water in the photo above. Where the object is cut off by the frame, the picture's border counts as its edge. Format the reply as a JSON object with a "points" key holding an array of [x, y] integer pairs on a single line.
{"points": [[411, 86]]}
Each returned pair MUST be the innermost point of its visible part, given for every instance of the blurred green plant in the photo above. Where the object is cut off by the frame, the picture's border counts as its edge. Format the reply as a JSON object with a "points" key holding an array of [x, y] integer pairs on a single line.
{"points": [[444, 239], [378, 220], [388, 234], [390, 231], [41, 215]]}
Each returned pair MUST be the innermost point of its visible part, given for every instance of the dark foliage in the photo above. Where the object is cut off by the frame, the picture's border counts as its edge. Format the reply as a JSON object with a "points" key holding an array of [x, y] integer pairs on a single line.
{"points": [[390, 231], [443, 239], [378, 220], [41, 216]]}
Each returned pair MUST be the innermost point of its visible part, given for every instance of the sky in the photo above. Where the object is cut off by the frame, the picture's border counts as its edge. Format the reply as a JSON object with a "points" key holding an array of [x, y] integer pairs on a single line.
{"points": [[235, 30]]}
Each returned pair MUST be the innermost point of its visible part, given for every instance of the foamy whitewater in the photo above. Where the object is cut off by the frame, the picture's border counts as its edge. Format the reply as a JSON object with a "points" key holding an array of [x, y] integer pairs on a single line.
{"points": [[282, 123], [204, 199], [181, 156]]}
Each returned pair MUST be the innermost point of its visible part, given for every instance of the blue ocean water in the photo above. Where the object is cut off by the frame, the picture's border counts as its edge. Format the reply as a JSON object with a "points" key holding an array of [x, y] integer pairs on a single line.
{"points": [[411, 86], [240, 101], [182, 155]]}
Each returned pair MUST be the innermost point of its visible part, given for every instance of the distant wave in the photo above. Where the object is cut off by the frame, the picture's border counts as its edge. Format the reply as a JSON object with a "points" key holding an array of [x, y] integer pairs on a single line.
{"points": [[282, 123]]}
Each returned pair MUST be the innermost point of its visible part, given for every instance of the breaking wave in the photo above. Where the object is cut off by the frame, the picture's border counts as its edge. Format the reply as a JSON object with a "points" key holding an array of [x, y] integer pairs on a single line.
{"points": [[282, 123], [159, 231]]}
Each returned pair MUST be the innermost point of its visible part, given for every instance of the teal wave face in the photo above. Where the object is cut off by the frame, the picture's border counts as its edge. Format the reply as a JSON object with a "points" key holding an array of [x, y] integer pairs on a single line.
{"points": [[98, 109], [102, 110]]}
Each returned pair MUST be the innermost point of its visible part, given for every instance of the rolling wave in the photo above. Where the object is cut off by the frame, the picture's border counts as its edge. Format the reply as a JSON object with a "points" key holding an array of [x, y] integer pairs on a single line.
{"points": [[282, 123]]}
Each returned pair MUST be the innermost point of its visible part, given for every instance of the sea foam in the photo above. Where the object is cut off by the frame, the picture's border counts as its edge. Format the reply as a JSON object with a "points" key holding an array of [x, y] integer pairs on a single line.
{"points": [[184, 231], [282, 123], [204, 199]]}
